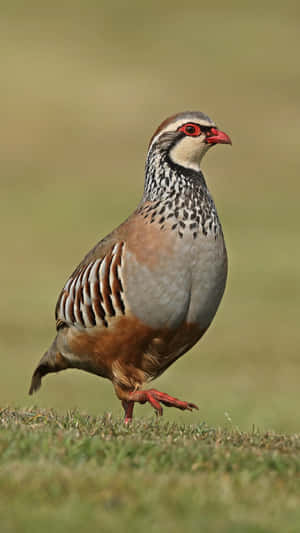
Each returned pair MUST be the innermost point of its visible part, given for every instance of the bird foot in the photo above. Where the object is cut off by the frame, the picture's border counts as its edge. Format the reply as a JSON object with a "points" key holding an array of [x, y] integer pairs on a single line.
{"points": [[154, 397]]}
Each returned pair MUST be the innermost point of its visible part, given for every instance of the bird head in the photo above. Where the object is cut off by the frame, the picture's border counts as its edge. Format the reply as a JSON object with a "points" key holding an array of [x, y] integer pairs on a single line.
{"points": [[186, 137]]}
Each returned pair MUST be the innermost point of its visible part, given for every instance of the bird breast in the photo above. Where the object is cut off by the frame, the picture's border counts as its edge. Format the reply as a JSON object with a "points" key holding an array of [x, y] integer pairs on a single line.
{"points": [[182, 282]]}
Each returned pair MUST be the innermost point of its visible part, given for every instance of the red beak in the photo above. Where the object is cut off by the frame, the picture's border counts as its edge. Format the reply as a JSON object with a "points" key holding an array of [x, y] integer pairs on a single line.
{"points": [[216, 136]]}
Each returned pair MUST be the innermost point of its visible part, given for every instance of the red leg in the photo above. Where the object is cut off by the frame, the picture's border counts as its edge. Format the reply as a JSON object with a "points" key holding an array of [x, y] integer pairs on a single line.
{"points": [[153, 396], [128, 408]]}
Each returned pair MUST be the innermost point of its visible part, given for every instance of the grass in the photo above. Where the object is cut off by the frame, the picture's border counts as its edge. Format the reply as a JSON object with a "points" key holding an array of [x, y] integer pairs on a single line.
{"points": [[75, 472]]}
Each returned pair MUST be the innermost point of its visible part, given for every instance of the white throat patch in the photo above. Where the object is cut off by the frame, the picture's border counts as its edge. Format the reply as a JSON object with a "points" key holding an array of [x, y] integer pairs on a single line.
{"points": [[189, 151]]}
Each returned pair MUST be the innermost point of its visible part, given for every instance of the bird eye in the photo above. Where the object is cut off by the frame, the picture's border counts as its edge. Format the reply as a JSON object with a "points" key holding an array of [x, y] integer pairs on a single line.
{"points": [[193, 130]]}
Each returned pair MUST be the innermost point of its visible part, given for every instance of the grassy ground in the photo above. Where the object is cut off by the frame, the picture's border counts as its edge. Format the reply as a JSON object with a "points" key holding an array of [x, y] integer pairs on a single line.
{"points": [[83, 86], [82, 473]]}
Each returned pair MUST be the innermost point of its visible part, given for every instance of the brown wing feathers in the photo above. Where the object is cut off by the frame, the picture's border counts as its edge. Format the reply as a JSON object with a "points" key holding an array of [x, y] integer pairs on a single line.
{"points": [[94, 293]]}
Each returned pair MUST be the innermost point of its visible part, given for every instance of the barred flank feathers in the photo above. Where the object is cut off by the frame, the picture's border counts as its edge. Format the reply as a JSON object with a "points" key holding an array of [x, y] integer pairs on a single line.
{"points": [[94, 292]]}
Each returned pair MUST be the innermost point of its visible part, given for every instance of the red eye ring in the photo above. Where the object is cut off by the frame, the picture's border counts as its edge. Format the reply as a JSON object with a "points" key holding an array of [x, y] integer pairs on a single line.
{"points": [[191, 129]]}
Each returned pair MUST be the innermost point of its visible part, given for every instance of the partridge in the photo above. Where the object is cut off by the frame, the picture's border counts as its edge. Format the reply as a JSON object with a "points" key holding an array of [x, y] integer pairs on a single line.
{"points": [[146, 293]]}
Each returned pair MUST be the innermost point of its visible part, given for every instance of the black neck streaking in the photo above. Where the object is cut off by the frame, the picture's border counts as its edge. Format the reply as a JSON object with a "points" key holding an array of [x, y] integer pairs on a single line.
{"points": [[179, 196]]}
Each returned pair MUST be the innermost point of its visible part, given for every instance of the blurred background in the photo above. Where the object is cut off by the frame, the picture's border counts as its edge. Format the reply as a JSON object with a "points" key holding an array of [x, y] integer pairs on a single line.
{"points": [[84, 85]]}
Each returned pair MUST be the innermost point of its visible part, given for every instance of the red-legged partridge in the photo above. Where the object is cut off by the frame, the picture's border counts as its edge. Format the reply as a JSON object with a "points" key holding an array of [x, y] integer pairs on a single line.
{"points": [[149, 290]]}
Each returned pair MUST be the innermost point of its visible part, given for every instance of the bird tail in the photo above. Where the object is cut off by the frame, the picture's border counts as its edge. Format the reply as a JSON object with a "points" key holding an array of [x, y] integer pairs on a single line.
{"points": [[52, 361]]}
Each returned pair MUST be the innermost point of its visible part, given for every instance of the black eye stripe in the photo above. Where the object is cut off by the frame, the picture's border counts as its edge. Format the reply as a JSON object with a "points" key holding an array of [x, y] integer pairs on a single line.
{"points": [[205, 129]]}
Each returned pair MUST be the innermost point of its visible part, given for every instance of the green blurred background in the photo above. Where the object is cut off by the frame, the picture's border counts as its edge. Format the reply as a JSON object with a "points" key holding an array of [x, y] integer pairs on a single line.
{"points": [[84, 85]]}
